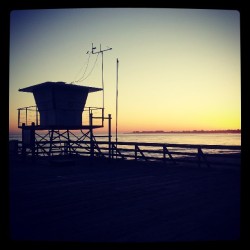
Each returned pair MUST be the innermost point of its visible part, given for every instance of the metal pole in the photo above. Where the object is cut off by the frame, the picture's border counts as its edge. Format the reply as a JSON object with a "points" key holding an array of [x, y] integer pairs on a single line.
{"points": [[102, 83], [101, 51], [117, 63]]}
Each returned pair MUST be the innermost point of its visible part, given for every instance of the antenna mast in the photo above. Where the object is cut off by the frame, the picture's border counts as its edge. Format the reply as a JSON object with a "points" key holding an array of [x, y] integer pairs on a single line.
{"points": [[117, 64], [97, 52]]}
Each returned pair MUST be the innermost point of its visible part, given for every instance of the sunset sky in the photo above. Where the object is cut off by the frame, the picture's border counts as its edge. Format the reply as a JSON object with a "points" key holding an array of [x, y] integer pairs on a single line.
{"points": [[179, 68]]}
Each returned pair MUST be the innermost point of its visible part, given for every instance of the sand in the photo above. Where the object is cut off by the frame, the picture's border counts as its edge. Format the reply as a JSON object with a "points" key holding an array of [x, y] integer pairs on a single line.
{"points": [[123, 201]]}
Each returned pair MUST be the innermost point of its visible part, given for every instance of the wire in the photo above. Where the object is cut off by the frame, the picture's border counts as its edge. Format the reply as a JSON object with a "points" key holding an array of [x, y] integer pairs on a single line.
{"points": [[82, 78], [86, 66], [82, 68]]}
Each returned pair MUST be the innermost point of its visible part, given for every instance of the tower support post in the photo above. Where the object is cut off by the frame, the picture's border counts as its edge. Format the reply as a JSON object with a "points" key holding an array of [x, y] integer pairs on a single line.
{"points": [[91, 135]]}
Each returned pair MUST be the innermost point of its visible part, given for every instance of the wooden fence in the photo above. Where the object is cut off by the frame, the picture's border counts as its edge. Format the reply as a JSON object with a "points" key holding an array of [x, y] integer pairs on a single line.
{"points": [[206, 155]]}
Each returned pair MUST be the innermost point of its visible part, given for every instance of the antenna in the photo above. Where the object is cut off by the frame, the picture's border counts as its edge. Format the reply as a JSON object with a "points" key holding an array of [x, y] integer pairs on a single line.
{"points": [[117, 64], [97, 52]]}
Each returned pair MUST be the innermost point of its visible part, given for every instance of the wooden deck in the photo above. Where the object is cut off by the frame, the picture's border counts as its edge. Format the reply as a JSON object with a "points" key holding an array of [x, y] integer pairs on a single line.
{"points": [[123, 201]]}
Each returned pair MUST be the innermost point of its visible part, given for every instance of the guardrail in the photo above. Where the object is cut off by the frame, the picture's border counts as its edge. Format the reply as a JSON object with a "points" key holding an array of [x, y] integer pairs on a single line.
{"points": [[162, 152], [31, 114]]}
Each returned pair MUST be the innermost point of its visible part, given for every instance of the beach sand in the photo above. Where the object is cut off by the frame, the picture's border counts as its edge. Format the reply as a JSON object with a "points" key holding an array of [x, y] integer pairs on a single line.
{"points": [[123, 201]]}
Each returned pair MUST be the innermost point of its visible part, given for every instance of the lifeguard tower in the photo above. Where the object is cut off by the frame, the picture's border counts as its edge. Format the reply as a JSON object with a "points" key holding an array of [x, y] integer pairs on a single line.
{"points": [[60, 124]]}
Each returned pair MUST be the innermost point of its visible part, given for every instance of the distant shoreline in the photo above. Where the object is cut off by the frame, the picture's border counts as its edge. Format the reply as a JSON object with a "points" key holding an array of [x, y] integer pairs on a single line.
{"points": [[231, 131]]}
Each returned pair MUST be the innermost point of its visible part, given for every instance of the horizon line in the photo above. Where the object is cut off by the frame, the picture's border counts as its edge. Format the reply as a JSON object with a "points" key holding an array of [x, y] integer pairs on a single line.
{"points": [[163, 131], [188, 131]]}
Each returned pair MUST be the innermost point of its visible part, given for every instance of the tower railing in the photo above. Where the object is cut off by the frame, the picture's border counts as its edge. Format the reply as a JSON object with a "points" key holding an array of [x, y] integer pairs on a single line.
{"points": [[31, 114], [28, 115]]}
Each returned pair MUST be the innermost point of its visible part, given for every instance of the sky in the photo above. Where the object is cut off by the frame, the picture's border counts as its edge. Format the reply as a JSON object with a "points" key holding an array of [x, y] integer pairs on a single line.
{"points": [[179, 69]]}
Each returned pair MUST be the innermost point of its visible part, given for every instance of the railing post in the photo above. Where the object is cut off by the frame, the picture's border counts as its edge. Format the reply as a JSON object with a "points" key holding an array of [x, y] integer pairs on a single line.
{"points": [[18, 117], [65, 148], [23, 142], [199, 156], [91, 135], [112, 150], [109, 118], [51, 142], [68, 143], [13, 148], [36, 116], [136, 148], [102, 116], [32, 140], [169, 154], [26, 116], [164, 153]]}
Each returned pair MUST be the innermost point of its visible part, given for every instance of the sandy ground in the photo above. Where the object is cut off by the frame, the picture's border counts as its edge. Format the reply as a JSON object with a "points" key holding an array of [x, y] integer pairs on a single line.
{"points": [[122, 201]]}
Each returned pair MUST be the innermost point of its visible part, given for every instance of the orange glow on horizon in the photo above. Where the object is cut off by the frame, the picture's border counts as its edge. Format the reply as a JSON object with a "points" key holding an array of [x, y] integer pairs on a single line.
{"points": [[185, 75]]}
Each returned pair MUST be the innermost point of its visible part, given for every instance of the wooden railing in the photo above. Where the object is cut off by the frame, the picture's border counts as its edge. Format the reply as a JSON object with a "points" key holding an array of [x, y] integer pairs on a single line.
{"points": [[206, 155], [175, 153]]}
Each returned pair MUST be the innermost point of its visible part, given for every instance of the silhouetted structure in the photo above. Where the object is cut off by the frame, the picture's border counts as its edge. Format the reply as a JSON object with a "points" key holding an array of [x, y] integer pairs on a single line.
{"points": [[60, 108], [60, 105]]}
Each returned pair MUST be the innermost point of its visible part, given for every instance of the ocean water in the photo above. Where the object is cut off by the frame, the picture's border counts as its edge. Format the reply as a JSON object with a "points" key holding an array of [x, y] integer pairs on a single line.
{"points": [[187, 138], [174, 138], [167, 138]]}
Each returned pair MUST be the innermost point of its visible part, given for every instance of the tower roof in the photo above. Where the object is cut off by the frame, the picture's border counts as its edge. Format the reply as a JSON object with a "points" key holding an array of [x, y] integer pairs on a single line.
{"points": [[63, 85]]}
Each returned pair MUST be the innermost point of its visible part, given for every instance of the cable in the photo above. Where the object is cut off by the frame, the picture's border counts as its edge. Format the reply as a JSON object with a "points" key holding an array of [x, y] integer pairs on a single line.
{"points": [[82, 78], [82, 68], [86, 66]]}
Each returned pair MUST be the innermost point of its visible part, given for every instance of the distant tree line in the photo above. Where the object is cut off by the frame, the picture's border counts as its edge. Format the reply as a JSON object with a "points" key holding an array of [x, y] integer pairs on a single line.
{"points": [[188, 131]]}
